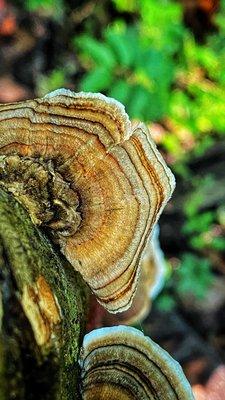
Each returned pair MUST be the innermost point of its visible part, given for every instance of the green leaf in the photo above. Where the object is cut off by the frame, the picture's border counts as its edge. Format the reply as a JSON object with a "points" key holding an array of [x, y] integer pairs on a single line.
{"points": [[121, 91], [122, 47], [138, 103], [194, 276], [218, 243], [165, 302], [159, 67], [199, 223], [198, 242], [53, 8], [99, 52], [99, 79], [32, 5], [125, 5], [172, 144]]}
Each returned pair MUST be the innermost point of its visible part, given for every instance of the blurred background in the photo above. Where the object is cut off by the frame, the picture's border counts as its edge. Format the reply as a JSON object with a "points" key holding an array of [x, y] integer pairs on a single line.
{"points": [[165, 61]]}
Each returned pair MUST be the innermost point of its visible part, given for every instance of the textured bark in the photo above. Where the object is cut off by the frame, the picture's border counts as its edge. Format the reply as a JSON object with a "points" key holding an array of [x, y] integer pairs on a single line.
{"points": [[44, 304]]}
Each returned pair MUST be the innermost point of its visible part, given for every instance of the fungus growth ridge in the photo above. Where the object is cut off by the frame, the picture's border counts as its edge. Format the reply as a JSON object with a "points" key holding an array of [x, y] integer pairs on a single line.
{"points": [[96, 182]]}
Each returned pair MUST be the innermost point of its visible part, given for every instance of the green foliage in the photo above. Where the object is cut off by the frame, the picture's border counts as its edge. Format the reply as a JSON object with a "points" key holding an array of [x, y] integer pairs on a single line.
{"points": [[199, 226], [200, 189], [165, 302], [198, 104], [125, 69], [194, 276], [126, 66], [155, 22], [54, 8], [199, 223], [158, 70], [34, 4]]}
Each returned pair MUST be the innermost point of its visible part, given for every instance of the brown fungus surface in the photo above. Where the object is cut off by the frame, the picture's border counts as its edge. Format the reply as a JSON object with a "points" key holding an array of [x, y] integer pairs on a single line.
{"points": [[121, 363], [97, 183]]}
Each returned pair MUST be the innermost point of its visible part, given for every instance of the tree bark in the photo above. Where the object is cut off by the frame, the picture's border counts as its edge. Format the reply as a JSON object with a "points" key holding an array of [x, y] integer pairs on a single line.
{"points": [[42, 312]]}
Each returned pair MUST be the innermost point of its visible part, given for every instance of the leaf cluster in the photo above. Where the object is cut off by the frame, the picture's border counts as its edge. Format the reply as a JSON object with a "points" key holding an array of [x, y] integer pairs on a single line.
{"points": [[158, 70]]}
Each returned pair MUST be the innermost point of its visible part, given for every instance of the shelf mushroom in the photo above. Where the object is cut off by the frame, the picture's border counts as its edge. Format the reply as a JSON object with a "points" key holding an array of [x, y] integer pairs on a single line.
{"points": [[90, 177], [121, 363]]}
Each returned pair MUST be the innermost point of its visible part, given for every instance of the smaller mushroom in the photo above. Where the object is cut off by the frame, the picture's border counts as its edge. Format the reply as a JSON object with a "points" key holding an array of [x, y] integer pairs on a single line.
{"points": [[121, 363]]}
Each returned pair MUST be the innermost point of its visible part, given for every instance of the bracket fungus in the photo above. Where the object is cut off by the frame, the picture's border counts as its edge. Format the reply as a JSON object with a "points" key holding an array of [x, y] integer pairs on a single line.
{"points": [[121, 363], [90, 177]]}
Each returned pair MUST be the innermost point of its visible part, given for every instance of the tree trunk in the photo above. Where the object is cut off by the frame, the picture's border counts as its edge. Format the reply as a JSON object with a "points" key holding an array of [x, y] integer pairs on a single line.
{"points": [[43, 306]]}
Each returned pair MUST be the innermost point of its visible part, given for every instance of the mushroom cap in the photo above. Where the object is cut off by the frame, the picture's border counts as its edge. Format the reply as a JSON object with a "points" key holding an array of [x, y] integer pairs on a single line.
{"points": [[121, 363], [116, 172]]}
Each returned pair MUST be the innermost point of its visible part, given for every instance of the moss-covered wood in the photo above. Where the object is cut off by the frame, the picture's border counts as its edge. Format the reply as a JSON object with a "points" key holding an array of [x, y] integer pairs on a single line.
{"points": [[43, 334]]}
